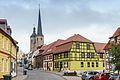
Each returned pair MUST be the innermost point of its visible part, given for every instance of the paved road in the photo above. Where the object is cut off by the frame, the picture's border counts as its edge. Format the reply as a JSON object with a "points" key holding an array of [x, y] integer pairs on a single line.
{"points": [[41, 75]]}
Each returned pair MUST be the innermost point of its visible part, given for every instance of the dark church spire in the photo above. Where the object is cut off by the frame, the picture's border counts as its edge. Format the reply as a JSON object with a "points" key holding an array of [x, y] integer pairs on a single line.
{"points": [[39, 31]]}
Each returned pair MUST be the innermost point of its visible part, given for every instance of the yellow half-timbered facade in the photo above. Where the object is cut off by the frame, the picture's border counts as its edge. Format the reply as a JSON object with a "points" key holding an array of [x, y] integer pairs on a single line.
{"points": [[77, 53]]}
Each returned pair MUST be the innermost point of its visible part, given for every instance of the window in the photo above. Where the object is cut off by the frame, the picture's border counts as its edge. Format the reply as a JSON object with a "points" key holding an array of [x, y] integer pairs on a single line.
{"points": [[2, 65], [92, 55], [6, 44], [2, 42], [96, 64], [65, 64], [88, 55], [75, 56], [82, 64], [65, 55], [44, 57], [60, 56], [92, 64], [101, 55], [77, 45], [56, 64], [83, 55], [88, 64], [88, 46], [7, 65], [56, 56], [41, 38]]}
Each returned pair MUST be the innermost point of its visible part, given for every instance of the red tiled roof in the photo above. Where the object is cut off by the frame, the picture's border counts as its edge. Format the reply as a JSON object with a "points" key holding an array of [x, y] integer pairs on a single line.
{"points": [[117, 32], [76, 37], [108, 46], [64, 45], [43, 47], [51, 47], [67, 44], [63, 48], [99, 46]]}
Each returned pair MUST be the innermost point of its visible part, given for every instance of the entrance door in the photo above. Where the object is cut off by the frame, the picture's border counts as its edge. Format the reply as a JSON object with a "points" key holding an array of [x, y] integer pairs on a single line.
{"points": [[60, 66]]}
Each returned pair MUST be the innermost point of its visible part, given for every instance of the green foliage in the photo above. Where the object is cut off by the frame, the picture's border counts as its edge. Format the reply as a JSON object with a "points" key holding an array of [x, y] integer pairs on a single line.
{"points": [[115, 53]]}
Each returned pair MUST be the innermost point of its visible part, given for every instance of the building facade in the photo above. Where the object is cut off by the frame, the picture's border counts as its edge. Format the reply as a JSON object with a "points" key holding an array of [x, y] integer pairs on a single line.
{"points": [[114, 40], [48, 59], [77, 53], [8, 50]]}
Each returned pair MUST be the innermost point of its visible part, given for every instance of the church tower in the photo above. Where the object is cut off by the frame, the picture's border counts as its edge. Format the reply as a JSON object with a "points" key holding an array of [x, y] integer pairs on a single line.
{"points": [[40, 36], [33, 40], [37, 40]]}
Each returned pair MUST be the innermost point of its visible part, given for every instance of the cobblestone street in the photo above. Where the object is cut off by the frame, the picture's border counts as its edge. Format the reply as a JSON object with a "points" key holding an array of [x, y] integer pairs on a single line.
{"points": [[41, 75]]}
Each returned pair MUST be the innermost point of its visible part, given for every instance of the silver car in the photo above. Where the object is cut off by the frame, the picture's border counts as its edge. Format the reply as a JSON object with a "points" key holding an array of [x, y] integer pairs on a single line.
{"points": [[89, 75]]}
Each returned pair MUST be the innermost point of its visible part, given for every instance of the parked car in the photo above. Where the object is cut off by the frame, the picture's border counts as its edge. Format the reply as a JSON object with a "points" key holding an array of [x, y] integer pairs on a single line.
{"points": [[114, 77], [89, 75], [102, 76]]}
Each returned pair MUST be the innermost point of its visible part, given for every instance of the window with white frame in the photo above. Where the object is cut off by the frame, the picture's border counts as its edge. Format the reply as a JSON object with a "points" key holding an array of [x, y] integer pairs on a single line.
{"points": [[2, 42], [7, 65], [6, 44], [2, 65]]}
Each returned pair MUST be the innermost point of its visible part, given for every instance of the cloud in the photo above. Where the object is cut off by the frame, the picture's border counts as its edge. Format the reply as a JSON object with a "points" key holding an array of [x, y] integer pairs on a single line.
{"points": [[61, 19]]}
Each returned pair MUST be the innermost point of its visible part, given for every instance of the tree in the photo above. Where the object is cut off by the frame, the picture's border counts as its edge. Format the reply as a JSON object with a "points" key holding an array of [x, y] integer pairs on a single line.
{"points": [[115, 53]]}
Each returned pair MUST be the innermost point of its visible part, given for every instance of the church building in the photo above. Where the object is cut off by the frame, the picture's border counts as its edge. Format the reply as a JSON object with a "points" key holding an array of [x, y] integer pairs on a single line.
{"points": [[37, 40]]}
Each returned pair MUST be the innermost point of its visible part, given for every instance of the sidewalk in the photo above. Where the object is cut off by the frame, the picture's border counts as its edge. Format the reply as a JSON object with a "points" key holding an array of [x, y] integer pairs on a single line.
{"points": [[20, 76]]}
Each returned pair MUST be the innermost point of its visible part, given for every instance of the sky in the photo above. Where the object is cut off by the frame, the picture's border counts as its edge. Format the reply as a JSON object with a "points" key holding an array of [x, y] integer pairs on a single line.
{"points": [[96, 20]]}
